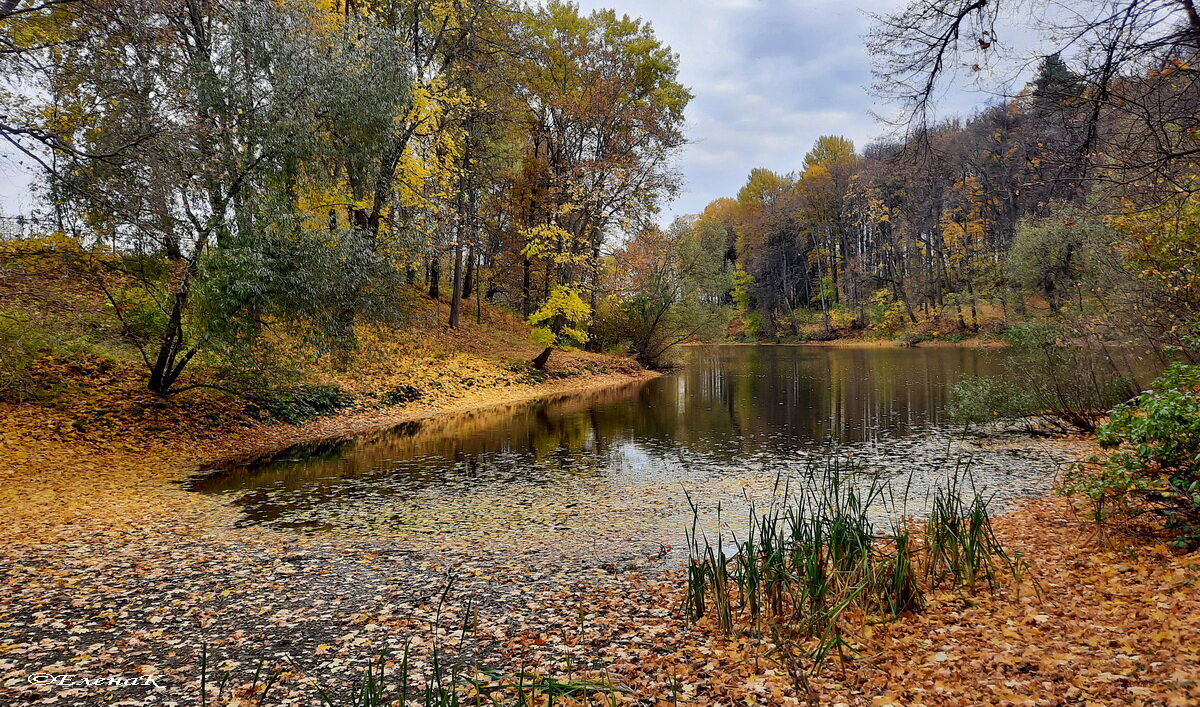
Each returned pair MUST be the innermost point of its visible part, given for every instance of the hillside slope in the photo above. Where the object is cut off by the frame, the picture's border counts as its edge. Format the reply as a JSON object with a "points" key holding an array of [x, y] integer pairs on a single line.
{"points": [[69, 370]]}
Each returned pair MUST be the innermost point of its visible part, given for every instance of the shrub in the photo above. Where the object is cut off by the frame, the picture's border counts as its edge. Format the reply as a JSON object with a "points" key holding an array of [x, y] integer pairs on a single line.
{"points": [[20, 345], [1154, 465], [979, 400], [305, 401], [1064, 384], [402, 394], [841, 317], [887, 316], [28, 346]]}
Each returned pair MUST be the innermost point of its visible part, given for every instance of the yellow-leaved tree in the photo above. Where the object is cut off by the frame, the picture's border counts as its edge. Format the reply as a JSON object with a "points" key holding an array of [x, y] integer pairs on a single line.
{"points": [[561, 322]]}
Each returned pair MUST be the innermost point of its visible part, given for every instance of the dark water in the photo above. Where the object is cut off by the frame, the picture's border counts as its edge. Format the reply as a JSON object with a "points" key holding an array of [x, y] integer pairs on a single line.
{"points": [[731, 415]]}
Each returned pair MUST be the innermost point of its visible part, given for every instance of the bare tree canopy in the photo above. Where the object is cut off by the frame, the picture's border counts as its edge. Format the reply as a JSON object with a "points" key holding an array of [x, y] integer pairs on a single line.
{"points": [[10, 8], [1137, 61]]}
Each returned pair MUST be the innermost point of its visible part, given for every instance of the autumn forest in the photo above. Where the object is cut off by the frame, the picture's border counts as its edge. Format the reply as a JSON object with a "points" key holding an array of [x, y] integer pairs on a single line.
{"points": [[359, 353]]}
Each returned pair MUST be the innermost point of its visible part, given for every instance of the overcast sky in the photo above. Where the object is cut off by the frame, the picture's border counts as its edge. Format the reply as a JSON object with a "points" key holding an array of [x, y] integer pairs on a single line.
{"points": [[769, 77], [14, 185]]}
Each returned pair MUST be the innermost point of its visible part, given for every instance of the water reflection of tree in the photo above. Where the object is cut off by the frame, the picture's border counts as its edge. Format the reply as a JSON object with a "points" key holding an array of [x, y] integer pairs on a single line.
{"points": [[537, 429], [730, 404], [756, 399]]}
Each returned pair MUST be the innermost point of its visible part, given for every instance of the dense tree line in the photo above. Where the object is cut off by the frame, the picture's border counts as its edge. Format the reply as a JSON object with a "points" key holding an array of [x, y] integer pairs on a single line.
{"points": [[240, 167], [1053, 200], [236, 170]]}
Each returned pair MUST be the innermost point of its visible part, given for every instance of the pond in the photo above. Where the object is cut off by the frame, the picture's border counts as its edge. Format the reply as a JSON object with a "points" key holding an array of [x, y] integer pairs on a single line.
{"points": [[614, 465]]}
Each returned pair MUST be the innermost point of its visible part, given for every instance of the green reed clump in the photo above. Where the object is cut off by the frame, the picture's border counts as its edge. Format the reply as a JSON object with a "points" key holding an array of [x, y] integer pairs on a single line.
{"points": [[812, 559], [961, 548]]}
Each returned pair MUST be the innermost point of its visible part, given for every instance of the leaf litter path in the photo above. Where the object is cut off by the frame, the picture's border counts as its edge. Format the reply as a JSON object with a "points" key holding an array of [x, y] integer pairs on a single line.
{"points": [[109, 569]]}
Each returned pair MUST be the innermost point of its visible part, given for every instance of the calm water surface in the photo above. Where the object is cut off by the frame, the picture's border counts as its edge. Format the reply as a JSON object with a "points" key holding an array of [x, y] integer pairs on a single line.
{"points": [[725, 426]]}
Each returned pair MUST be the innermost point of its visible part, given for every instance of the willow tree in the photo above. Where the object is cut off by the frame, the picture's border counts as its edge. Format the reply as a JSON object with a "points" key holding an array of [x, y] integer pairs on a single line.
{"points": [[669, 287]]}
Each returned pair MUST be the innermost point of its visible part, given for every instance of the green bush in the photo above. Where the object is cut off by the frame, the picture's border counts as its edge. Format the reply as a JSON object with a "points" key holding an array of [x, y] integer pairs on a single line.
{"points": [[1154, 465], [1064, 384], [24, 341], [20, 345], [305, 401], [979, 400]]}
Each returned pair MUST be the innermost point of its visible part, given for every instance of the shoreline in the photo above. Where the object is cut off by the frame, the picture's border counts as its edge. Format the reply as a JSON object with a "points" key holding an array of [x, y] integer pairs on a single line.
{"points": [[130, 469], [116, 570], [43, 425], [973, 343], [345, 425]]}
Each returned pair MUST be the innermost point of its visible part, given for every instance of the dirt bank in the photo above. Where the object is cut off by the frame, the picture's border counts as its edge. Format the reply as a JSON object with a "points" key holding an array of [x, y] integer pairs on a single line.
{"points": [[52, 462]]}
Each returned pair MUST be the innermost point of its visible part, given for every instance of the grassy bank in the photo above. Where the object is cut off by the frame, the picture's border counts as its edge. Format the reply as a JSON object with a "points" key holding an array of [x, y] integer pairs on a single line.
{"points": [[71, 358], [71, 371]]}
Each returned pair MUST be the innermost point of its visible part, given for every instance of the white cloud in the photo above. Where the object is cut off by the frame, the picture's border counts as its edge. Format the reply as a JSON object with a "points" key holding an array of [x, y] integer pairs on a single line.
{"points": [[770, 76]]}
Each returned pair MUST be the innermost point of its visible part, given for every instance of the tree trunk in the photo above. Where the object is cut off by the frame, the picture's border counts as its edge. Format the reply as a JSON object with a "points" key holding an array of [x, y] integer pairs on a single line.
{"points": [[540, 362], [468, 288], [526, 284], [435, 277], [974, 308], [161, 378], [457, 287], [171, 359], [791, 313], [592, 344]]}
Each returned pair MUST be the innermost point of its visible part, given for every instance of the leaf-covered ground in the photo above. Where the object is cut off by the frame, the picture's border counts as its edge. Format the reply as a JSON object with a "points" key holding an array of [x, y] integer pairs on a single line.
{"points": [[111, 568]]}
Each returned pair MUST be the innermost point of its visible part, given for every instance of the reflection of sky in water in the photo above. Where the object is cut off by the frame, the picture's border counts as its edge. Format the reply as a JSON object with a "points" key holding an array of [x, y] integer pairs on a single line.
{"points": [[728, 425]]}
